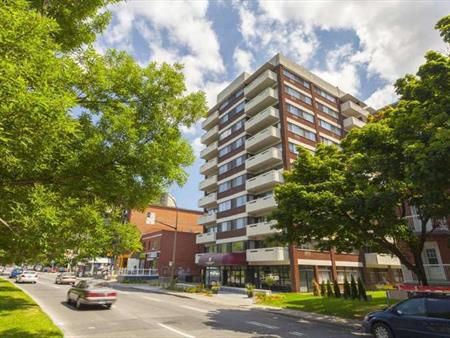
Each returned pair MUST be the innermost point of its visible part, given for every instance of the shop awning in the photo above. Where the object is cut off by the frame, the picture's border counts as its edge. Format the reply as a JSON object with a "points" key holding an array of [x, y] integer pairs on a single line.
{"points": [[219, 259]]}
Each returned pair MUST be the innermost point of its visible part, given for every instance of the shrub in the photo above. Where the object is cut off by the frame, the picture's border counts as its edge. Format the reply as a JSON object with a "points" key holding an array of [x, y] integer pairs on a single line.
{"points": [[316, 288], [329, 289], [269, 280], [353, 288], [323, 290], [337, 291], [263, 297], [361, 290], [215, 287], [346, 288], [250, 289]]}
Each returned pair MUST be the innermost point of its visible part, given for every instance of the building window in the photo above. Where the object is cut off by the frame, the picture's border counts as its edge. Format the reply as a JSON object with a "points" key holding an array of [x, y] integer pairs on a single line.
{"points": [[238, 246], [299, 112], [345, 272], [432, 256], [293, 148], [294, 93], [324, 274], [295, 78], [234, 224], [150, 219], [328, 141], [233, 183], [232, 164], [327, 110], [235, 127], [301, 132], [236, 110], [233, 203], [330, 127], [155, 244], [232, 146], [324, 94]]}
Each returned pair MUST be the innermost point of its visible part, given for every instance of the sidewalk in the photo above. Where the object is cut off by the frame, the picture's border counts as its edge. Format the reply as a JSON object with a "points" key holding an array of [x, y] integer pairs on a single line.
{"points": [[239, 300]]}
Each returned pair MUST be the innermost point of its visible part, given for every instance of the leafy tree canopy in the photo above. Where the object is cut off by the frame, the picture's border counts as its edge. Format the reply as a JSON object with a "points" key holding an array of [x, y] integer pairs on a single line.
{"points": [[358, 196], [83, 136]]}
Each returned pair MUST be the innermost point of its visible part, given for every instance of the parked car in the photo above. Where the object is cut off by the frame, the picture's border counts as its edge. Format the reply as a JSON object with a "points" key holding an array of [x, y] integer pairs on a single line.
{"points": [[91, 293], [420, 316], [65, 278], [15, 272], [27, 277]]}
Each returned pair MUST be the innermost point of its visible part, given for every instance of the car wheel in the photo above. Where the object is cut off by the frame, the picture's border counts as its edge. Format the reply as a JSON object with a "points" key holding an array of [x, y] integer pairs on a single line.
{"points": [[78, 304], [380, 330], [108, 306]]}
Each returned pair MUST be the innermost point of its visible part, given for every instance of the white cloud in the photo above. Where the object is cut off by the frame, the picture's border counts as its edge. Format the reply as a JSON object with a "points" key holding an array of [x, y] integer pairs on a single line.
{"points": [[243, 60], [382, 97], [197, 146]]}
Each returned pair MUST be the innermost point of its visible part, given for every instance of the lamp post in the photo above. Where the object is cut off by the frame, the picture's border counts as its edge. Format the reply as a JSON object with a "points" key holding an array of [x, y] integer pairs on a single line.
{"points": [[174, 249]]}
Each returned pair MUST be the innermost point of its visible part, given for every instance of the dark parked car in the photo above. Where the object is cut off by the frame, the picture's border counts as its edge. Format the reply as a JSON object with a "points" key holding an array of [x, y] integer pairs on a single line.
{"points": [[15, 272], [91, 293], [426, 316]]}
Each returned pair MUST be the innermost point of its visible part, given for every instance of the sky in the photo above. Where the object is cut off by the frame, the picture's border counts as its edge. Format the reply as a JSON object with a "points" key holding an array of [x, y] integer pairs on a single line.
{"points": [[362, 47]]}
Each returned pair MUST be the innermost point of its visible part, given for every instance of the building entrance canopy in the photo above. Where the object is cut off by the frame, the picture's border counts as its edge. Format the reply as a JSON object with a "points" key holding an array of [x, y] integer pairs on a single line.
{"points": [[220, 259]]}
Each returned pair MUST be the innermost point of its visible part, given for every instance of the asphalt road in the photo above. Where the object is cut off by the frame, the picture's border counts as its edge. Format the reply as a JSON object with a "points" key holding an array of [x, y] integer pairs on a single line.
{"points": [[142, 314]]}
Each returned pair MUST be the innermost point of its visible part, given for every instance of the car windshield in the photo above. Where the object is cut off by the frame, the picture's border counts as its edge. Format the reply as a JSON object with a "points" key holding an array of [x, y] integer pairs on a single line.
{"points": [[29, 273]]}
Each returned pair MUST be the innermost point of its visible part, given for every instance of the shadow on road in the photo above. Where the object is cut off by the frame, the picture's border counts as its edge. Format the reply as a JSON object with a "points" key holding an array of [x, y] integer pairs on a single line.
{"points": [[85, 307]]}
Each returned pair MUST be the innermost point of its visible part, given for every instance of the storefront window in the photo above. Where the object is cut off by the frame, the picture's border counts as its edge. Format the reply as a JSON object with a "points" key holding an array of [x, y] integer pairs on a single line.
{"points": [[347, 272], [324, 274]]}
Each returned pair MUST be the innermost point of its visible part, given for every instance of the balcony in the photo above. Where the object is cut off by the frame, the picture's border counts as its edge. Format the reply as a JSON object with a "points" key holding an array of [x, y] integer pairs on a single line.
{"points": [[264, 160], [211, 135], [211, 120], [261, 206], [350, 108], [264, 181], [208, 201], [352, 122], [262, 120], [376, 260], [208, 184], [276, 255], [207, 237], [260, 230], [268, 97], [209, 167], [266, 79], [210, 151], [207, 218], [268, 137]]}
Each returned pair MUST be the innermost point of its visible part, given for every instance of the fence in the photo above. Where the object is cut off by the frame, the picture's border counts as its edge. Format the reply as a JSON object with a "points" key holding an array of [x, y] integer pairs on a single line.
{"points": [[137, 272]]}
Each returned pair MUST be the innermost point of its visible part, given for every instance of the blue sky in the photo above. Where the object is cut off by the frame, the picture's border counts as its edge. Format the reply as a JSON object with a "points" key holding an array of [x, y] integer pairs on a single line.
{"points": [[362, 47]]}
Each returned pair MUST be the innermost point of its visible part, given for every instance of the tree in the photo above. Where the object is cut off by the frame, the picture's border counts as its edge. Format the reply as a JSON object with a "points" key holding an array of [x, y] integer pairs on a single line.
{"points": [[323, 289], [329, 289], [337, 291], [353, 288], [358, 196], [83, 136], [361, 289], [346, 288]]}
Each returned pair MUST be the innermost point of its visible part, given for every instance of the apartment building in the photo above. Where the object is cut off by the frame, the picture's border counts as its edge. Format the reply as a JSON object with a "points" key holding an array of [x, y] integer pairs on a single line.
{"points": [[251, 136]]}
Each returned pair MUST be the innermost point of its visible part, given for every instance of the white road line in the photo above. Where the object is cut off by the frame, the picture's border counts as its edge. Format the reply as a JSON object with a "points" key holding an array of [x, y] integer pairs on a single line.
{"points": [[263, 325], [175, 330], [194, 308], [152, 299], [298, 334]]}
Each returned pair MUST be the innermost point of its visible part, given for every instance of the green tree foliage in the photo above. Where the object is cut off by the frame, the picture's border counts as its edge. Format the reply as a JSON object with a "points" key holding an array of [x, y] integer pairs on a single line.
{"points": [[323, 289], [346, 288], [361, 289], [358, 196], [329, 289], [83, 136], [336, 289], [353, 288]]}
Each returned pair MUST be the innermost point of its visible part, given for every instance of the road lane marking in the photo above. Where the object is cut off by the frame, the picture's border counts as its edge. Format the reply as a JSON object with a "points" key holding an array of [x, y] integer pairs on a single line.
{"points": [[298, 334], [152, 299], [176, 331], [263, 325], [194, 308]]}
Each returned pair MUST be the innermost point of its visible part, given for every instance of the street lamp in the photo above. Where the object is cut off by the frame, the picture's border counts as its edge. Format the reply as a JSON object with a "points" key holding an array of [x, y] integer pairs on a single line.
{"points": [[174, 249]]}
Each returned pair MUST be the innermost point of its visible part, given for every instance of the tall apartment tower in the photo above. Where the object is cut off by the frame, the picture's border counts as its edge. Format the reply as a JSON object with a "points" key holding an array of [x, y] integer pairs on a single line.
{"points": [[251, 136]]}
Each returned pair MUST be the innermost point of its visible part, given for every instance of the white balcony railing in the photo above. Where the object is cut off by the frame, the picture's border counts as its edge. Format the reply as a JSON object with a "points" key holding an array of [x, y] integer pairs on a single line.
{"points": [[211, 135], [208, 184], [264, 160], [264, 181], [262, 229], [350, 108], [211, 120], [352, 122], [210, 151], [207, 218], [208, 200], [267, 137], [209, 167], [262, 120], [275, 255], [268, 97], [266, 79], [261, 205], [138, 272], [207, 237], [375, 260]]}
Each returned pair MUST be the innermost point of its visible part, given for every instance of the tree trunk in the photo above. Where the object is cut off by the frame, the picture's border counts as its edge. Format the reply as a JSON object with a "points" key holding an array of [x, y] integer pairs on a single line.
{"points": [[419, 269]]}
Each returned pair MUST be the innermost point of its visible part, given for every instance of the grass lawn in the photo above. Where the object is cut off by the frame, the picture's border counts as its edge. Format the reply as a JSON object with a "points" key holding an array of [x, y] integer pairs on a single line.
{"points": [[353, 309], [21, 317]]}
